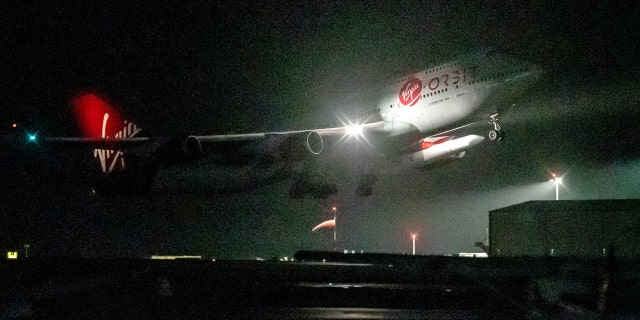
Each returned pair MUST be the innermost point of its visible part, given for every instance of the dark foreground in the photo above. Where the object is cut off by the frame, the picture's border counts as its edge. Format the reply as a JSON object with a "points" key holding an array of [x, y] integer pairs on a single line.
{"points": [[356, 286]]}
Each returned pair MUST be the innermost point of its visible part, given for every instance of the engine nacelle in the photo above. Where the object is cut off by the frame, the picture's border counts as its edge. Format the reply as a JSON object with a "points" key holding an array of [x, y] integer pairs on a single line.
{"points": [[135, 179], [302, 187], [179, 150], [298, 146], [314, 142]]}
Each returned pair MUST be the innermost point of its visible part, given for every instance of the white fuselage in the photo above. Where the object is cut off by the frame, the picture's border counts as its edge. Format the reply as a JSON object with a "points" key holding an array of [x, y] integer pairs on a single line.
{"points": [[453, 93]]}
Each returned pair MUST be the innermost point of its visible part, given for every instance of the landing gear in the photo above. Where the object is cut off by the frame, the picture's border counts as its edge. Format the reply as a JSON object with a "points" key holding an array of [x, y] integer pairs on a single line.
{"points": [[365, 185], [302, 187], [495, 134]]}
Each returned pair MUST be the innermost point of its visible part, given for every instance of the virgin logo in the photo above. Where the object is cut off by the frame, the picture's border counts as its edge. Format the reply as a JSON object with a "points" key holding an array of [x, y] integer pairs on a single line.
{"points": [[111, 159], [410, 92]]}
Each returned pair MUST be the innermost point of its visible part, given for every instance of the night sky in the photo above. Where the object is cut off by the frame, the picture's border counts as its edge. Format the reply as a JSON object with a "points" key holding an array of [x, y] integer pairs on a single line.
{"points": [[212, 68]]}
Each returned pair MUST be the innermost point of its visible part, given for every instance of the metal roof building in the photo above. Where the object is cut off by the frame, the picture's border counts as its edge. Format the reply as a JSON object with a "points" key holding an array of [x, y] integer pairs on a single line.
{"points": [[585, 228]]}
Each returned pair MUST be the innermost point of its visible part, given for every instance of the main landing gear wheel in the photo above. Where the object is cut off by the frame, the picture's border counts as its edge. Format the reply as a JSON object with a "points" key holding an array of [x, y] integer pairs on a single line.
{"points": [[495, 135]]}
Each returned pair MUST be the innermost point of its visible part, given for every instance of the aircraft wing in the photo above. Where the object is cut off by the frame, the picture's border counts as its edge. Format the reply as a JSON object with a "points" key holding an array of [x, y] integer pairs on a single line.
{"points": [[115, 145], [312, 135], [98, 143], [337, 131], [104, 127], [311, 138]]}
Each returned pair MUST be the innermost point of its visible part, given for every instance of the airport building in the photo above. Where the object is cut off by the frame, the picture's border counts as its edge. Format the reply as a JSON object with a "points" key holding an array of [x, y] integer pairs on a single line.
{"points": [[586, 228]]}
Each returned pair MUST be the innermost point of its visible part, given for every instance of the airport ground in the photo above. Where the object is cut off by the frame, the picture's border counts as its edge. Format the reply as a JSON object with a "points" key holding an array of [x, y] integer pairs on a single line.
{"points": [[322, 285]]}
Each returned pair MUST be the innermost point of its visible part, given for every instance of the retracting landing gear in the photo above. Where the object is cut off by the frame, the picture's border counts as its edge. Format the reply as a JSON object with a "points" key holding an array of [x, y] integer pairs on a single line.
{"points": [[365, 185], [495, 134]]}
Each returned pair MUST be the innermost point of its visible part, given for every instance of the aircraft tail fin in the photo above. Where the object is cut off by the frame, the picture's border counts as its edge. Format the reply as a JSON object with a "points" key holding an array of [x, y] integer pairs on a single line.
{"points": [[99, 119]]}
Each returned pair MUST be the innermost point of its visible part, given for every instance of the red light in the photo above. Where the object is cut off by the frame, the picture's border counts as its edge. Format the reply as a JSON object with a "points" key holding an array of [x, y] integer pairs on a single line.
{"points": [[413, 236], [14, 125]]}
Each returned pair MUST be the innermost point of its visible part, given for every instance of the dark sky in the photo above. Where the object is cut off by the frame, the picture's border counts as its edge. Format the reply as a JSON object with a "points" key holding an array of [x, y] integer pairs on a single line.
{"points": [[220, 68]]}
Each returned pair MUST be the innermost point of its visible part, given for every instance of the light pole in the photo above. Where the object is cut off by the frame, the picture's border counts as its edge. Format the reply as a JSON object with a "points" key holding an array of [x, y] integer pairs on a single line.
{"points": [[557, 180], [334, 209], [413, 239]]}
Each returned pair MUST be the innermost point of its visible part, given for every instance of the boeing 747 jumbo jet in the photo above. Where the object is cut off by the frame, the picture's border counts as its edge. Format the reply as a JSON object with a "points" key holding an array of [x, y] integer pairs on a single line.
{"points": [[431, 107]]}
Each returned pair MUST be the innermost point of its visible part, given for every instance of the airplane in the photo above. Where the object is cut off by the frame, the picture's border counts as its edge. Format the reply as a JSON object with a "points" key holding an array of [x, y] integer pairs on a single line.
{"points": [[416, 118]]}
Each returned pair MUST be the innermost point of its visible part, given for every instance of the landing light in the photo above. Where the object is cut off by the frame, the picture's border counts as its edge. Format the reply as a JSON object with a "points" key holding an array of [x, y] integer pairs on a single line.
{"points": [[354, 130], [555, 179]]}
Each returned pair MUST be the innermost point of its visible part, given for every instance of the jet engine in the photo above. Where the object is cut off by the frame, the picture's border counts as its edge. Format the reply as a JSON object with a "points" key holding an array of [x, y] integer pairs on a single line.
{"points": [[314, 142], [298, 146], [180, 149], [135, 179], [302, 187]]}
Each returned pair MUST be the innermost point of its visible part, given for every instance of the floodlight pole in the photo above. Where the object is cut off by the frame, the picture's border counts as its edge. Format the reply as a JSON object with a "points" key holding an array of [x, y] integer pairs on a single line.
{"points": [[557, 181], [413, 239], [334, 227]]}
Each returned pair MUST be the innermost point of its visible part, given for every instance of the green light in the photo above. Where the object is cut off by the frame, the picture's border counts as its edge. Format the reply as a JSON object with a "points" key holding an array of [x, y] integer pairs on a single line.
{"points": [[32, 137]]}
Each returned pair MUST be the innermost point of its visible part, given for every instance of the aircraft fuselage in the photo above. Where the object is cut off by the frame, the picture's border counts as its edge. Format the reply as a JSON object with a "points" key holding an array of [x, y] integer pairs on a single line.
{"points": [[449, 94]]}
